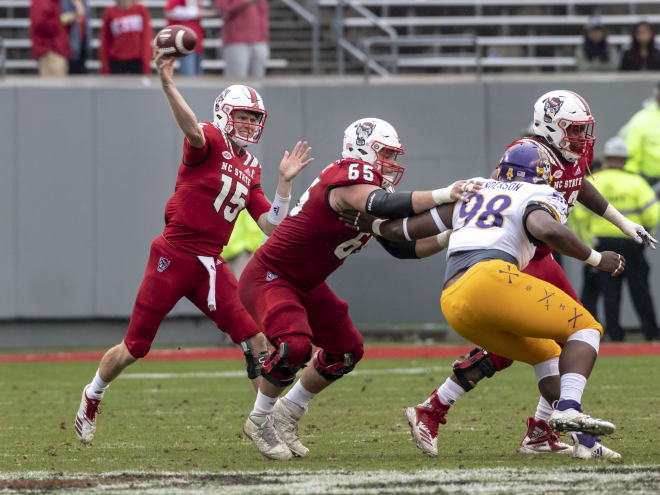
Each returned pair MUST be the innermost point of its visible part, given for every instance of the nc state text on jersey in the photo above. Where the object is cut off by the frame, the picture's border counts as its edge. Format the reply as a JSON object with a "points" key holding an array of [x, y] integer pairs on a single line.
{"points": [[239, 174]]}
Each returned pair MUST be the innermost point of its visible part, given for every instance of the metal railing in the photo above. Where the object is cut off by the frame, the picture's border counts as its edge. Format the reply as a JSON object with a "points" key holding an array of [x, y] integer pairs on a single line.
{"points": [[312, 18], [436, 41], [343, 45]]}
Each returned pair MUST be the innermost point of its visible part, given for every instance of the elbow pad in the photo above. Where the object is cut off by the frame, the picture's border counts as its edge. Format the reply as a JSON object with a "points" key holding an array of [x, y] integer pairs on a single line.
{"points": [[389, 205], [404, 250]]}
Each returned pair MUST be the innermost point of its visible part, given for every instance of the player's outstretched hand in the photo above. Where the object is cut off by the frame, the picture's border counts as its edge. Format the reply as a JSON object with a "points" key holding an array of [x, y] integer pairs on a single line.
{"points": [[164, 65], [356, 220], [461, 189], [612, 263], [292, 163]]}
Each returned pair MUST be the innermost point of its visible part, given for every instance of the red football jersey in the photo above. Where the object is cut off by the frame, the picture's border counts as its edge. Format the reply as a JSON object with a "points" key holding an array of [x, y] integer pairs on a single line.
{"points": [[312, 242], [567, 178], [213, 186]]}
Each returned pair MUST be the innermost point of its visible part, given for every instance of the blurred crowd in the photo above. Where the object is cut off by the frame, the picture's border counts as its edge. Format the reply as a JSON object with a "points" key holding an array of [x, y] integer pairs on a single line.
{"points": [[61, 36]]}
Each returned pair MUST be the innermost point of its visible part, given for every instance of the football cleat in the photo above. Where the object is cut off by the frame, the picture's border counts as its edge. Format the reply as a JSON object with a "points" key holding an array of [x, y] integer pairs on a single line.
{"points": [[568, 416], [259, 428], [588, 447], [540, 439], [286, 415], [85, 423], [424, 419]]}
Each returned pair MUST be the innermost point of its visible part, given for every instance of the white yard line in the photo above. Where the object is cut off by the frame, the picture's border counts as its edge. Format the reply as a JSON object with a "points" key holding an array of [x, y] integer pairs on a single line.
{"points": [[600, 478], [241, 373]]}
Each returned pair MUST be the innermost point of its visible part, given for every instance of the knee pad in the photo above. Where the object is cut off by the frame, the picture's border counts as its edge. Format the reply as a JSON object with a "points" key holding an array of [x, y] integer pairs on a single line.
{"points": [[292, 352], [138, 349], [333, 366], [254, 364], [480, 359]]}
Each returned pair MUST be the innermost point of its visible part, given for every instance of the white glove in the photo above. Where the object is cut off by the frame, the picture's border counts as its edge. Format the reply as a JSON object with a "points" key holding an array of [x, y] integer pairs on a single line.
{"points": [[628, 227], [638, 233]]}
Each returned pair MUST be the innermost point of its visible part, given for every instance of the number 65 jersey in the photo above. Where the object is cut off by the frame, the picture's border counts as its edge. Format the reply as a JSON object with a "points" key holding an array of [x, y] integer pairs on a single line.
{"points": [[494, 218], [312, 242]]}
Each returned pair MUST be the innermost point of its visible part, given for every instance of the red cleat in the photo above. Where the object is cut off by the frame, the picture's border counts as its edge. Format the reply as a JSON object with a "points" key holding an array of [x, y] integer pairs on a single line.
{"points": [[424, 420]]}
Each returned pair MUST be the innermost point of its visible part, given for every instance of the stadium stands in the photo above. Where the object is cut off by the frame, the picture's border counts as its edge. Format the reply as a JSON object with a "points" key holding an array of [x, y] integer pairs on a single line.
{"points": [[517, 34]]}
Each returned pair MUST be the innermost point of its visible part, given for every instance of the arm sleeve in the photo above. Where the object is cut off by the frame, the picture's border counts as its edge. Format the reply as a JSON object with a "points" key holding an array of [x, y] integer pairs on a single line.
{"points": [[399, 249], [193, 156], [258, 204], [389, 205]]}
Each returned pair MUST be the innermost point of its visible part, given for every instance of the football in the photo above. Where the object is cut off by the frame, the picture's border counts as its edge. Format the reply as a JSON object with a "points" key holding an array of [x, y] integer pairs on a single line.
{"points": [[176, 41]]}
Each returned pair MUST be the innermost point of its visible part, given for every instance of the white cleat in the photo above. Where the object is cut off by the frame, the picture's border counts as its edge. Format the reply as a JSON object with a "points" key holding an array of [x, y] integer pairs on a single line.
{"points": [[286, 415], [591, 448], [259, 428], [574, 420], [540, 439], [85, 423]]}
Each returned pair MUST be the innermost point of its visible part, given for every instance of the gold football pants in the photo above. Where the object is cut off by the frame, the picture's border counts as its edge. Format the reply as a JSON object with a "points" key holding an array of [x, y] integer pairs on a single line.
{"points": [[513, 314]]}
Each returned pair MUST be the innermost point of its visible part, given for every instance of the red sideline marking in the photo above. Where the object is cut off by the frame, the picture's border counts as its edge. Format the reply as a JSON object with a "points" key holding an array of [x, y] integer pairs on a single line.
{"points": [[371, 352]]}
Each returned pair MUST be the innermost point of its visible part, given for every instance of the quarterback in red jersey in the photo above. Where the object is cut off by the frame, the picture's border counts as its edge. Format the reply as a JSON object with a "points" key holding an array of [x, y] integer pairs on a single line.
{"points": [[563, 126], [217, 179], [283, 287]]}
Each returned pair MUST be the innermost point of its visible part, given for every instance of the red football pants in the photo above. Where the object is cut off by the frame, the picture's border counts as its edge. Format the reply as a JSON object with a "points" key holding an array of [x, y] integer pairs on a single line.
{"points": [[172, 274], [281, 309]]}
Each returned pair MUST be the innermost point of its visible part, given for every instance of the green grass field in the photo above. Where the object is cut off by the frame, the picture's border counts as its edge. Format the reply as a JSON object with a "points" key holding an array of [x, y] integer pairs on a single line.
{"points": [[186, 417]]}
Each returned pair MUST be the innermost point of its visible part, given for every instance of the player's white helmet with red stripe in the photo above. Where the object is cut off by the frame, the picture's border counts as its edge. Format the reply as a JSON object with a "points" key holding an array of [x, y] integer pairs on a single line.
{"points": [[364, 138], [564, 119], [239, 97]]}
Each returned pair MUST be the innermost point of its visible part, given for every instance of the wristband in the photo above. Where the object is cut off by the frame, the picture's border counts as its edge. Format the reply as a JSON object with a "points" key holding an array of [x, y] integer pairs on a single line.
{"points": [[441, 196], [278, 209], [443, 238], [375, 226], [594, 258]]}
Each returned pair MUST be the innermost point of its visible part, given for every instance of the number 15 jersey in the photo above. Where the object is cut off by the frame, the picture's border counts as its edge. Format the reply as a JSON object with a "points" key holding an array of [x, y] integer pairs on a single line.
{"points": [[312, 242], [213, 186], [494, 218]]}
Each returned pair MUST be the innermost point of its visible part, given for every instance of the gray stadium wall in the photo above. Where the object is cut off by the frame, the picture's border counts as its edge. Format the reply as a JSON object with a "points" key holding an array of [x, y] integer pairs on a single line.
{"points": [[88, 164]]}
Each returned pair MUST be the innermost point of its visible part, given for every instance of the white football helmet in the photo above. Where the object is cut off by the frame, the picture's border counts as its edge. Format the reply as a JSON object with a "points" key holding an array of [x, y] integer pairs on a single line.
{"points": [[564, 119], [239, 97], [364, 138]]}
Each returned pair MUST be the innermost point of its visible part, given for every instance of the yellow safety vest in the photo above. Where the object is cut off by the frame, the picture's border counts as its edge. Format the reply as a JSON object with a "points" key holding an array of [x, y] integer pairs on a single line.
{"points": [[643, 142], [631, 195], [247, 236]]}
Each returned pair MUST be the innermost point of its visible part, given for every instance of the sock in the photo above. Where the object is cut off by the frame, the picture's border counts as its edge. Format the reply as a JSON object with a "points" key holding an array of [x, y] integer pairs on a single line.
{"points": [[264, 404], [543, 410], [449, 392], [300, 395], [97, 387], [572, 387], [587, 440]]}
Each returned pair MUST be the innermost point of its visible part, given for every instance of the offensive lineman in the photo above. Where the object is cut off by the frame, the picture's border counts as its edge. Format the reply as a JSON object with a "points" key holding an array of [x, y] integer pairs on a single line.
{"points": [[217, 178], [519, 316], [283, 286]]}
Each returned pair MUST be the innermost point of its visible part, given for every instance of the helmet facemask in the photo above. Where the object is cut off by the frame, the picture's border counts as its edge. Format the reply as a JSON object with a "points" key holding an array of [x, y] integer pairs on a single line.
{"points": [[391, 172], [254, 129], [578, 138]]}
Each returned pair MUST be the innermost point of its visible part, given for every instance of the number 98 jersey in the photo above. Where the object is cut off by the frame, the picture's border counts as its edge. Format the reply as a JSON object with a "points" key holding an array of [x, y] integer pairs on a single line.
{"points": [[312, 242], [493, 218]]}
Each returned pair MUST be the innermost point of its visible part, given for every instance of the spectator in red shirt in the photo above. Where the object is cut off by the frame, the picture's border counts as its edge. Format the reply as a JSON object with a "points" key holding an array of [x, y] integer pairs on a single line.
{"points": [[244, 37], [50, 44], [188, 13], [126, 37]]}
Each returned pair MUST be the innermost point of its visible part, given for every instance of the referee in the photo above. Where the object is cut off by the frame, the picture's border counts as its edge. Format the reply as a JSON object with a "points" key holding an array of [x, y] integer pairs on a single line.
{"points": [[633, 197]]}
